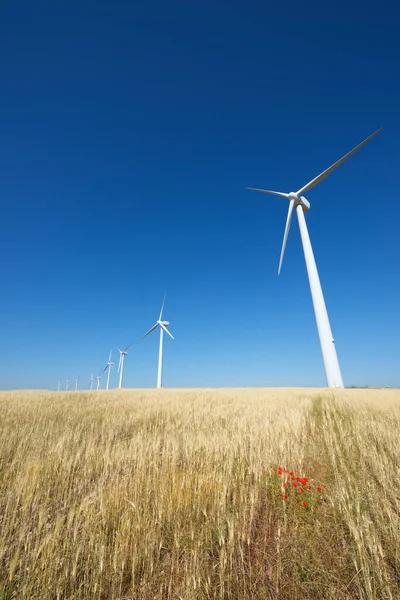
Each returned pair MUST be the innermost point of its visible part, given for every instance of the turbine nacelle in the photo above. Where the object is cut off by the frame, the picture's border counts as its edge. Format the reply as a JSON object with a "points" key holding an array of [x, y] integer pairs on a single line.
{"points": [[121, 352], [299, 200], [165, 323]]}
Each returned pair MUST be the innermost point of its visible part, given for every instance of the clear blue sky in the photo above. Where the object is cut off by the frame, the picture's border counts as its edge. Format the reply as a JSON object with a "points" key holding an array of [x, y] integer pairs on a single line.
{"points": [[129, 132]]}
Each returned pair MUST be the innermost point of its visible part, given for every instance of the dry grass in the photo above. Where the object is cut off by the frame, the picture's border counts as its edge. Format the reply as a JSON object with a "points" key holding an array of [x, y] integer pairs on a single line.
{"points": [[161, 495]]}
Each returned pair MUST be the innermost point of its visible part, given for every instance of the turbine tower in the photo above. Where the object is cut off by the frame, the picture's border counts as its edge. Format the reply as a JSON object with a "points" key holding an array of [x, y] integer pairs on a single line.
{"points": [[120, 370], [58, 385], [91, 382], [297, 201], [108, 366], [163, 327], [98, 381], [77, 383], [67, 385]]}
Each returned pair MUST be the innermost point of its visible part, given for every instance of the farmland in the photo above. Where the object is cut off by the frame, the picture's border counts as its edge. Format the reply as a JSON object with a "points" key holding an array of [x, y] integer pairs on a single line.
{"points": [[175, 494]]}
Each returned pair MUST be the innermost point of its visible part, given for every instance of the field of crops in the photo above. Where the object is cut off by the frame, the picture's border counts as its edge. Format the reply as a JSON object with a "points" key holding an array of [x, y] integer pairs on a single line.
{"points": [[200, 494]]}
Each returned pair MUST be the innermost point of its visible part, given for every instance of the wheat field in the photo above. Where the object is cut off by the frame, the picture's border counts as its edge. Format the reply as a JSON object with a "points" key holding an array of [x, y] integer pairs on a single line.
{"points": [[174, 494]]}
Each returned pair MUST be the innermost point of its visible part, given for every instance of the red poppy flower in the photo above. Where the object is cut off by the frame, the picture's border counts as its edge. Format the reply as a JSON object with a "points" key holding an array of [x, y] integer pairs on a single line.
{"points": [[301, 492], [291, 473], [285, 485], [319, 489], [305, 503], [294, 485], [265, 472]]}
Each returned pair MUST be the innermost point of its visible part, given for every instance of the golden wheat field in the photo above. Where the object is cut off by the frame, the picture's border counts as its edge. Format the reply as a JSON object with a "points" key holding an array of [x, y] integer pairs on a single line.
{"points": [[172, 494]]}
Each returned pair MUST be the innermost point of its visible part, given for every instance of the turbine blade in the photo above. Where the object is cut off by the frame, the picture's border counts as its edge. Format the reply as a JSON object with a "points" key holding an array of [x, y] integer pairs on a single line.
{"points": [[125, 349], [166, 331], [325, 173], [109, 358], [269, 192], [285, 236], [105, 369], [149, 331], [162, 307]]}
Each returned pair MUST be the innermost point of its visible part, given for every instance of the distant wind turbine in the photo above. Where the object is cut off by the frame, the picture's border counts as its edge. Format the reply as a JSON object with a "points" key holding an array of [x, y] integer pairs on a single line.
{"points": [[67, 385], [91, 382], [163, 327], [122, 354], [297, 200], [77, 383], [108, 366], [58, 385]]}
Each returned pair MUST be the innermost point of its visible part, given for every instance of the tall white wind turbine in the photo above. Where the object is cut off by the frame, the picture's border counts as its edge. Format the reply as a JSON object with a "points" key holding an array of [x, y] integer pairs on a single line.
{"points": [[122, 354], [77, 383], [67, 385], [297, 200], [108, 366], [58, 385], [91, 382], [163, 327]]}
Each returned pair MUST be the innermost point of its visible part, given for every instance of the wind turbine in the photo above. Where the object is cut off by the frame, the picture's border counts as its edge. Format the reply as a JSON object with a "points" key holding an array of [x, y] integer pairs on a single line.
{"points": [[67, 385], [98, 380], [297, 200], [163, 327], [91, 382], [77, 383], [108, 366], [120, 370], [58, 385]]}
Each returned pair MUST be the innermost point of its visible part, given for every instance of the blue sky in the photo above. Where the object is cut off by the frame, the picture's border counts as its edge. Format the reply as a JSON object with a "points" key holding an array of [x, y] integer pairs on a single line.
{"points": [[129, 134]]}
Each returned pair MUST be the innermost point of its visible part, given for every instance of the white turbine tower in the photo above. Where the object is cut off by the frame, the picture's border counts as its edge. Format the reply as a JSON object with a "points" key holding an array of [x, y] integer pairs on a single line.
{"points": [[77, 383], [163, 327], [58, 385], [297, 200], [67, 385], [98, 381], [91, 382], [108, 366], [120, 370]]}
